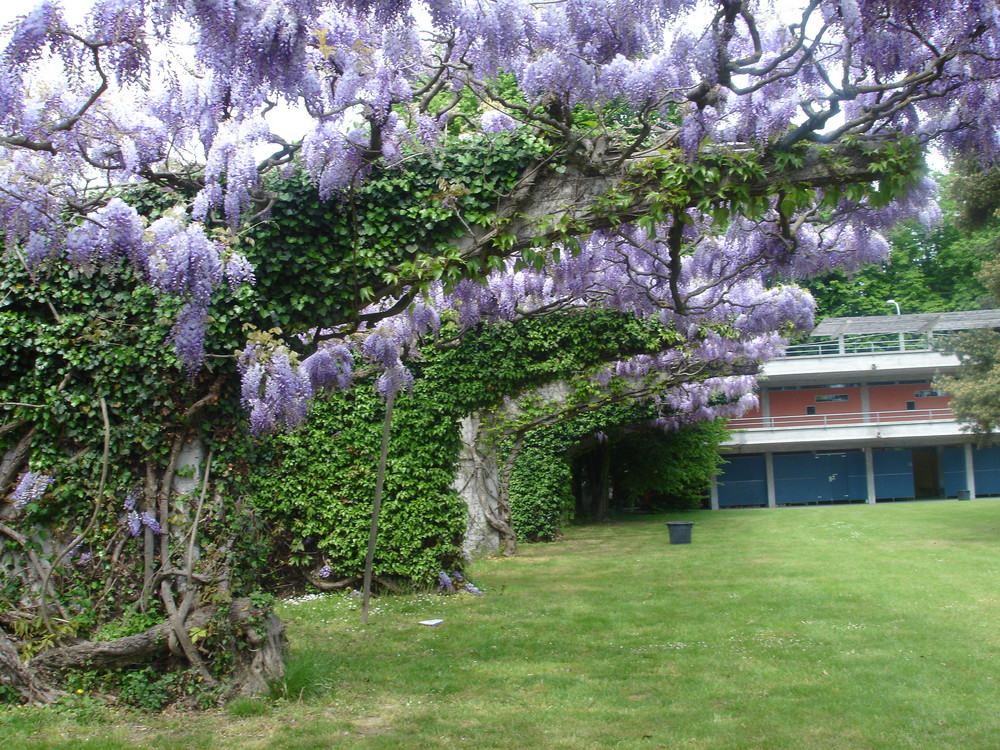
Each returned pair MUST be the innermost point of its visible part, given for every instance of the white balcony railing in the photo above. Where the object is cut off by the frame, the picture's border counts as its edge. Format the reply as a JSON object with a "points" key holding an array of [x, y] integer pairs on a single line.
{"points": [[840, 420], [862, 344]]}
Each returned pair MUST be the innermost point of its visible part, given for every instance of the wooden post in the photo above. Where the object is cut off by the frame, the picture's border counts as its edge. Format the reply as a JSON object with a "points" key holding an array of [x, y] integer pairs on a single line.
{"points": [[376, 506]]}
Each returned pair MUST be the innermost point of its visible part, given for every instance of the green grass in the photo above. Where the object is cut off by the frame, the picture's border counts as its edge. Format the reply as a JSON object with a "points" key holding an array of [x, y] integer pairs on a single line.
{"points": [[831, 627]]}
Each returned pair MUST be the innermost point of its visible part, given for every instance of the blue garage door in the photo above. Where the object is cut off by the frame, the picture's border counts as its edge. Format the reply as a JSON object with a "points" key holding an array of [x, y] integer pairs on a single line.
{"points": [[893, 474], [987, 465], [743, 481], [953, 471], [819, 477]]}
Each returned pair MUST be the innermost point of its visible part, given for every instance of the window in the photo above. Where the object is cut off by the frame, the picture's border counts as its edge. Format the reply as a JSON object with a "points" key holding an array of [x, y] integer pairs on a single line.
{"points": [[811, 411], [832, 397], [911, 405], [927, 394]]}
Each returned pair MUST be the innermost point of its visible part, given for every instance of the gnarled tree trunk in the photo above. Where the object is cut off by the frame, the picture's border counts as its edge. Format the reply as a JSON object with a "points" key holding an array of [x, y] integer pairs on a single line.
{"points": [[20, 679], [258, 652]]}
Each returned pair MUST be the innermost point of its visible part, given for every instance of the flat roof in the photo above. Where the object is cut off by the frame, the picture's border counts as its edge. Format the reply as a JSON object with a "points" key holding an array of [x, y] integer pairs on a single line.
{"points": [[919, 323]]}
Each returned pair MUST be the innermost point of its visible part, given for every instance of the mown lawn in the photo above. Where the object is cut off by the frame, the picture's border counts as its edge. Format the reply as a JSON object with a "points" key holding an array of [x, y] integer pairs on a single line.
{"points": [[834, 627]]}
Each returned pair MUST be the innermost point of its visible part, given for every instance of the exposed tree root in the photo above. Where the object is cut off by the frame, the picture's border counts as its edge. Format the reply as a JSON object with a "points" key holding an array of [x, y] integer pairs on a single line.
{"points": [[258, 652], [21, 680]]}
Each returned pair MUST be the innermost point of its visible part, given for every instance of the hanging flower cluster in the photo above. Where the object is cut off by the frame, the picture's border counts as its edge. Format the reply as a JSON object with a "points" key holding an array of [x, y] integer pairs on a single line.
{"points": [[30, 488], [277, 389], [369, 89], [137, 519], [720, 296]]}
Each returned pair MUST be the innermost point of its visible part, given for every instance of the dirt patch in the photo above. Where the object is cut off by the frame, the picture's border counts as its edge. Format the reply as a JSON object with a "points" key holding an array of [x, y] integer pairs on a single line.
{"points": [[374, 724]]}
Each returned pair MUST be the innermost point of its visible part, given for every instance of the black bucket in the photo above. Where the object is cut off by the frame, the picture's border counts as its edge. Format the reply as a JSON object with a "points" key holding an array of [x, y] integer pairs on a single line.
{"points": [[680, 531]]}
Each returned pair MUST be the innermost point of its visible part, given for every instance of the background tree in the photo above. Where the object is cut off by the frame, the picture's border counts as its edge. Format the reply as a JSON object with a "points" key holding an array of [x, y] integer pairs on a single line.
{"points": [[680, 162], [975, 387], [930, 268], [667, 471]]}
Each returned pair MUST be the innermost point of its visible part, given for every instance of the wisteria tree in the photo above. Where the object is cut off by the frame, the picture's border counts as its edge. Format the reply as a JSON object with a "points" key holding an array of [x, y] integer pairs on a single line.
{"points": [[680, 161]]}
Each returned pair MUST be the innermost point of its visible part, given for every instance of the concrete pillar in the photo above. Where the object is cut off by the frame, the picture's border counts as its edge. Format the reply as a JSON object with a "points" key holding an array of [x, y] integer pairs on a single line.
{"points": [[769, 468], [870, 474], [714, 494], [970, 471]]}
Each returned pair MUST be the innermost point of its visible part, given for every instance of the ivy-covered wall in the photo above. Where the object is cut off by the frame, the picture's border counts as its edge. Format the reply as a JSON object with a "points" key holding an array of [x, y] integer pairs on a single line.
{"points": [[316, 493], [318, 263], [298, 502], [78, 345], [316, 486]]}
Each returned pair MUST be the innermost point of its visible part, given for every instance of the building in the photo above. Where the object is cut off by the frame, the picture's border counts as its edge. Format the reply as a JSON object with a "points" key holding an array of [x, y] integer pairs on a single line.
{"points": [[852, 417]]}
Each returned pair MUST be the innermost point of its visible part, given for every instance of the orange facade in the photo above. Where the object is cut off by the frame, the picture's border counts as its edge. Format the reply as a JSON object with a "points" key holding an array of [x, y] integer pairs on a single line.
{"points": [[831, 405], [888, 398], [821, 400]]}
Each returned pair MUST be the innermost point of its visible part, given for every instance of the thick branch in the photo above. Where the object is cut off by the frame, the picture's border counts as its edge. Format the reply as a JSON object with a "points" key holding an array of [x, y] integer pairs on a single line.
{"points": [[13, 459], [560, 407], [122, 652], [548, 204]]}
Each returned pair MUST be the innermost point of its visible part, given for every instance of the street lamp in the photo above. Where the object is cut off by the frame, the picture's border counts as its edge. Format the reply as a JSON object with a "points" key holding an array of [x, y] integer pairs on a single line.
{"points": [[902, 336]]}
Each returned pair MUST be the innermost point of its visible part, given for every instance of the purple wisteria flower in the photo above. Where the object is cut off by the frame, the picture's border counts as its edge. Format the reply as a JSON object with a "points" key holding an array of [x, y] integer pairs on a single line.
{"points": [[151, 522], [131, 498], [470, 588], [238, 271], [445, 584], [30, 488], [330, 367], [276, 391], [325, 572], [395, 379], [134, 523], [380, 349], [495, 121], [112, 232]]}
